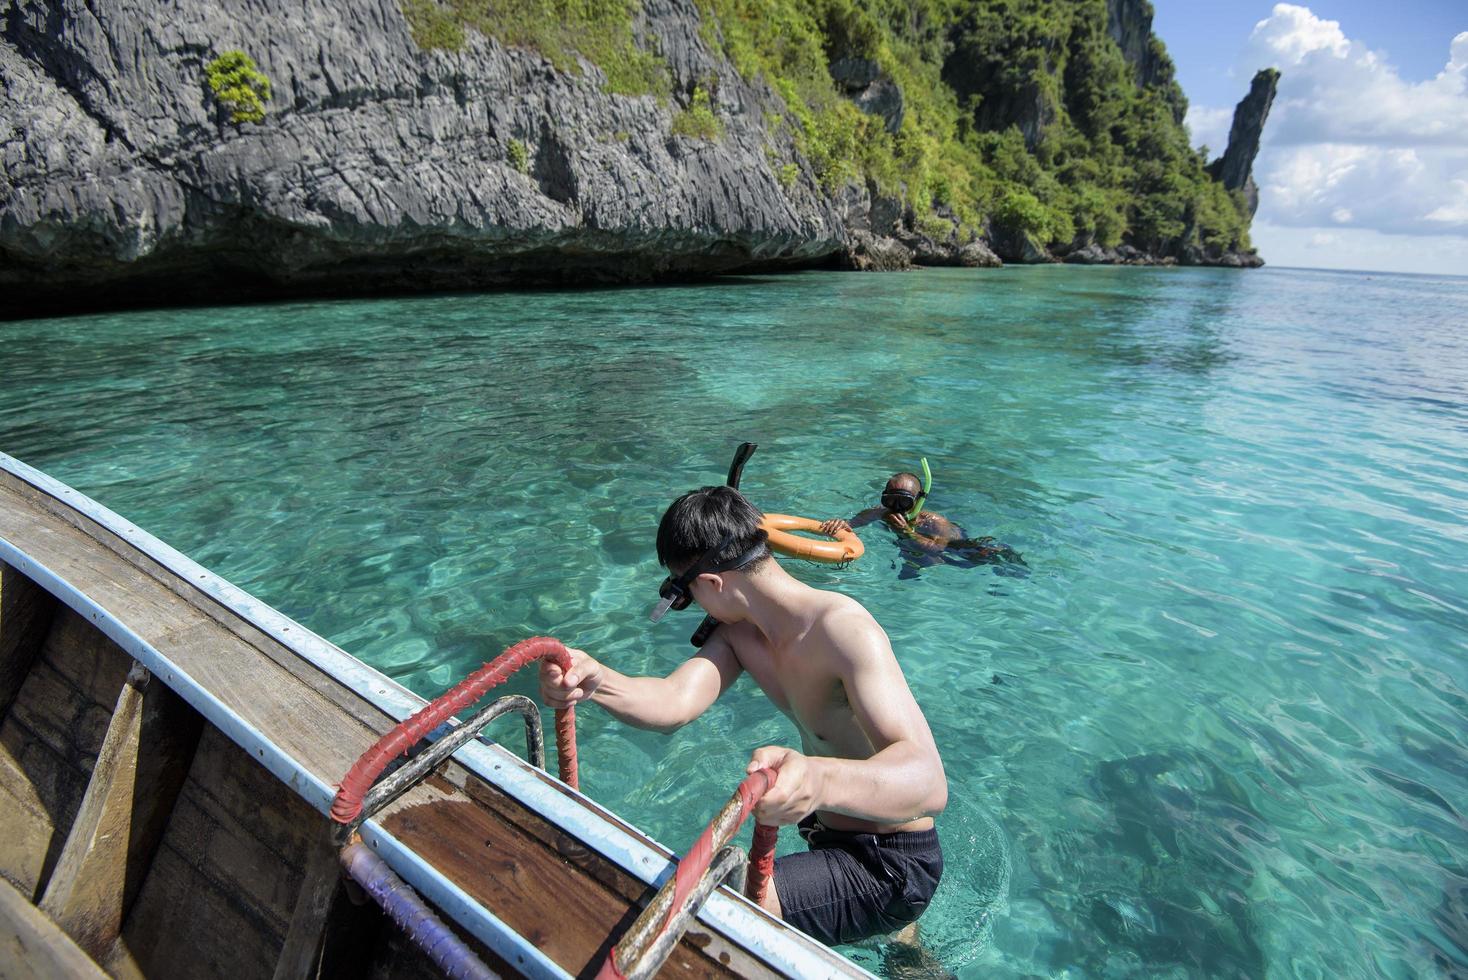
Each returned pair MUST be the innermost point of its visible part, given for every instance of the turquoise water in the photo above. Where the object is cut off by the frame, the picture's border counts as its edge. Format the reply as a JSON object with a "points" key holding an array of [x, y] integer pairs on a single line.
{"points": [[1222, 727]]}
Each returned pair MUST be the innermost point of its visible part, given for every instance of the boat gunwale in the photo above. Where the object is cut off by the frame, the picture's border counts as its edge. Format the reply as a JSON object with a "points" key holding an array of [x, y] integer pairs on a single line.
{"points": [[765, 938], [472, 915]]}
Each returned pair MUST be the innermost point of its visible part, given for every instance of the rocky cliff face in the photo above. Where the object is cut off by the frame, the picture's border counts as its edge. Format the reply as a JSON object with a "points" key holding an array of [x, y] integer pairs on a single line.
{"points": [[381, 166], [1129, 23], [378, 166], [1236, 167]]}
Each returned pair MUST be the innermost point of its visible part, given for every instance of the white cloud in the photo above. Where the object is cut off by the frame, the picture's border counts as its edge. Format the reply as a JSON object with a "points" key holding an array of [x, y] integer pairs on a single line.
{"points": [[1337, 90], [1454, 212], [1293, 33], [1350, 143], [1391, 189], [1208, 126]]}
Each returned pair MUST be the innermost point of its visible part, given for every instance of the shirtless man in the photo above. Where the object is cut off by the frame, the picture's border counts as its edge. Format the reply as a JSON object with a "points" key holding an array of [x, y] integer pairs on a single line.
{"points": [[867, 782], [931, 539]]}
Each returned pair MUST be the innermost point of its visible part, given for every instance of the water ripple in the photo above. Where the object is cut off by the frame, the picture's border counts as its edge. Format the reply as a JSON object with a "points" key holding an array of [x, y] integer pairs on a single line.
{"points": [[1218, 730]]}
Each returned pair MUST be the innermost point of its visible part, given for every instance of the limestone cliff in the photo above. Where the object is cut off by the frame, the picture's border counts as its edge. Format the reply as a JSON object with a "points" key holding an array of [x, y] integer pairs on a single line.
{"points": [[379, 165], [1129, 23], [386, 164], [1236, 167]]}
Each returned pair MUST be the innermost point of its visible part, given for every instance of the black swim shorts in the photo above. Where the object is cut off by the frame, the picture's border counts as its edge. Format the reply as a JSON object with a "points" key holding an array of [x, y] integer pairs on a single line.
{"points": [[849, 886]]}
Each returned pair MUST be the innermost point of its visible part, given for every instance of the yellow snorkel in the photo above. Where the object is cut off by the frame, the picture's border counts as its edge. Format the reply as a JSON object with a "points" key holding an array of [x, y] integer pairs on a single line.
{"points": [[922, 498]]}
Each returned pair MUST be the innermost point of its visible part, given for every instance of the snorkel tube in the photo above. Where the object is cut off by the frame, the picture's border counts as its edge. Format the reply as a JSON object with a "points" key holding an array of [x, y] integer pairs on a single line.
{"points": [[922, 498], [736, 468], [736, 472]]}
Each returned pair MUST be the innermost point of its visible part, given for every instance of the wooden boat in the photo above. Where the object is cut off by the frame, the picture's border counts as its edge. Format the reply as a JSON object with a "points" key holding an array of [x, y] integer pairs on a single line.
{"points": [[169, 747]]}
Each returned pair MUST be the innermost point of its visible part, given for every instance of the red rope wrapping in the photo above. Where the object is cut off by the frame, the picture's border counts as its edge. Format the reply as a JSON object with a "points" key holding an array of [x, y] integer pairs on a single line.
{"points": [[364, 771], [761, 862], [609, 969], [701, 854], [696, 862], [566, 736]]}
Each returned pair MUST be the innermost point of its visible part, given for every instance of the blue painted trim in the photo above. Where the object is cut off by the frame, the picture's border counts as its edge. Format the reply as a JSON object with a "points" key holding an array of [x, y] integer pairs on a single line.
{"points": [[638, 855]]}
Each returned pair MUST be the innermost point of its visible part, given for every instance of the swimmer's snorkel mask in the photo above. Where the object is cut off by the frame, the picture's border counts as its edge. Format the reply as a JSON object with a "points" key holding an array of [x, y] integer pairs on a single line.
{"points": [[677, 592], [907, 503], [898, 501]]}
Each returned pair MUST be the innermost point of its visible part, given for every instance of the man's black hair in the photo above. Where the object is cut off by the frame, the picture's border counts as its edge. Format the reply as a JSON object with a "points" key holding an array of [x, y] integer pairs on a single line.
{"points": [[700, 519]]}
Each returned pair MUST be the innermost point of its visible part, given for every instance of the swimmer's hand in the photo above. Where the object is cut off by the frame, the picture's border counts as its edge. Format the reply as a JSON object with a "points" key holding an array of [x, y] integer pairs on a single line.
{"points": [[566, 689], [798, 790], [834, 527], [898, 522]]}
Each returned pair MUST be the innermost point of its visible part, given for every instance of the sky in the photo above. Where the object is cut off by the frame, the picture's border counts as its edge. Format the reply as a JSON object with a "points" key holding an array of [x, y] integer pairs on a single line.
{"points": [[1364, 160]]}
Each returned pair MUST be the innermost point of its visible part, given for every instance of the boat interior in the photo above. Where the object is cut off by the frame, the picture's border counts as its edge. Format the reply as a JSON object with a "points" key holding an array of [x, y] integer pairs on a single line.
{"points": [[169, 747]]}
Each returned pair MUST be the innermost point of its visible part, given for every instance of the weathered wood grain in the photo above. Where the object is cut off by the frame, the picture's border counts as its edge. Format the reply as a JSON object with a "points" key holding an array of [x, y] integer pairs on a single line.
{"points": [[49, 742], [566, 912], [33, 948], [588, 862], [139, 770], [223, 884], [320, 884], [25, 619]]}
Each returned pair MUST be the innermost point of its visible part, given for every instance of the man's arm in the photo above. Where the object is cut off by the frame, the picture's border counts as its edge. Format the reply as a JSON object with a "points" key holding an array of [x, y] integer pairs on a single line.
{"points": [[902, 781], [662, 704], [940, 531], [835, 524]]}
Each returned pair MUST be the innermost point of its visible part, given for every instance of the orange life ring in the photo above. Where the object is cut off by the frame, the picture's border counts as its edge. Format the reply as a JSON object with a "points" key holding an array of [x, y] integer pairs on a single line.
{"points": [[846, 546]]}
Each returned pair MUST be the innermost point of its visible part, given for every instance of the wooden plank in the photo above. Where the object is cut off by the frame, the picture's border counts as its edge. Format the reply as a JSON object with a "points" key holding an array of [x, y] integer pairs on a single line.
{"points": [[48, 744], [301, 955], [568, 914], [32, 947], [310, 727], [219, 896], [35, 795], [25, 619], [142, 764], [588, 862], [200, 603], [352, 936]]}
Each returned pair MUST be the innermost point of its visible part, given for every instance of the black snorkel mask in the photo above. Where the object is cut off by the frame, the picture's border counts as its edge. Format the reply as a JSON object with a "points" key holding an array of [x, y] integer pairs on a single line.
{"points": [[677, 593], [898, 501]]}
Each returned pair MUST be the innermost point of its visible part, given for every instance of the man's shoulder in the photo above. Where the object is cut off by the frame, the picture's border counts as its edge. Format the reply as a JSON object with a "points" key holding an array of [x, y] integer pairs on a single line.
{"points": [[932, 523], [839, 604], [846, 626]]}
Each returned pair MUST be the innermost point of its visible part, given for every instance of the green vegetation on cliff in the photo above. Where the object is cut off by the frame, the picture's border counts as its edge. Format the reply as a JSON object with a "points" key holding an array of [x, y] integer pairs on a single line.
{"points": [[1019, 118], [698, 120], [598, 30], [239, 86], [1021, 112]]}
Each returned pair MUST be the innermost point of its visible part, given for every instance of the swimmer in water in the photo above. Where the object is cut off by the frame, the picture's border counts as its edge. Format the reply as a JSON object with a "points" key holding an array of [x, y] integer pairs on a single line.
{"points": [[927, 538]]}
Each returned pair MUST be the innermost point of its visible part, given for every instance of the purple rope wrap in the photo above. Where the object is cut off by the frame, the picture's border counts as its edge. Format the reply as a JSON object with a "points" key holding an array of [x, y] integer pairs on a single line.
{"points": [[404, 907]]}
